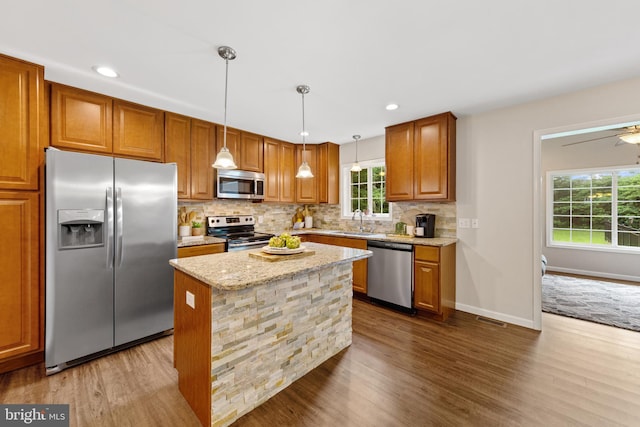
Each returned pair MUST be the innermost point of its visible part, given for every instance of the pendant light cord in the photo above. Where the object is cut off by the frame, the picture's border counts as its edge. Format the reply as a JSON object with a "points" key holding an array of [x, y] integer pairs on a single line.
{"points": [[303, 132], [226, 84]]}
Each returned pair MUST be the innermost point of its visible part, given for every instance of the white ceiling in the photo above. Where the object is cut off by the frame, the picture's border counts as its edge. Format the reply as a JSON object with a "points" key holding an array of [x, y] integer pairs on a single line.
{"points": [[427, 56]]}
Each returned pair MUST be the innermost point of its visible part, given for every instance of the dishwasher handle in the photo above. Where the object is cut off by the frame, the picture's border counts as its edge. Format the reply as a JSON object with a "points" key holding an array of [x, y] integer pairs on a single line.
{"points": [[407, 247]]}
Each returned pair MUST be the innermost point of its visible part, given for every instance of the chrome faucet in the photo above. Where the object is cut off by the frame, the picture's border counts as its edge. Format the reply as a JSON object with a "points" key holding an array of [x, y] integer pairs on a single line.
{"points": [[358, 212]]}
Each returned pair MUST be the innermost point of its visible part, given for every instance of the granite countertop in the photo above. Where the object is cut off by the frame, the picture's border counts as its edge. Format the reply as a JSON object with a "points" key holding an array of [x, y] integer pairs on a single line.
{"points": [[237, 270], [206, 240], [424, 241]]}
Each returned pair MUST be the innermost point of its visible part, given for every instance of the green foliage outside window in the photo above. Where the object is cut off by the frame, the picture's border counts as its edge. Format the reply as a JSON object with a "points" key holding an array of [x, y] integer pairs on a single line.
{"points": [[600, 208]]}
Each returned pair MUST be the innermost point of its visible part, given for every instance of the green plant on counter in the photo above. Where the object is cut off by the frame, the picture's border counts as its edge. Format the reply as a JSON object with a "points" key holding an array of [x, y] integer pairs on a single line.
{"points": [[196, 224]]}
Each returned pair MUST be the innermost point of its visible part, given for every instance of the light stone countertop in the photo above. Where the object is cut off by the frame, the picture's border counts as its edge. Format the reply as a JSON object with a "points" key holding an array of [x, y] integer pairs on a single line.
{"points": [[237, 270], [424, 241], [206, 240]]}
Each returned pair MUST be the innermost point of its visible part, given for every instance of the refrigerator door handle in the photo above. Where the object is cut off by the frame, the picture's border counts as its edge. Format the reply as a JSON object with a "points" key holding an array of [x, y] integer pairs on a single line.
{"points": [[119, 221], [109, 227]]}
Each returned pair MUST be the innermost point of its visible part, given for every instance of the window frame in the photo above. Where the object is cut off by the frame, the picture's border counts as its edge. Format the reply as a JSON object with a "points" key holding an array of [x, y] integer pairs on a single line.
{"points": [[345, 207], [613, 170]]}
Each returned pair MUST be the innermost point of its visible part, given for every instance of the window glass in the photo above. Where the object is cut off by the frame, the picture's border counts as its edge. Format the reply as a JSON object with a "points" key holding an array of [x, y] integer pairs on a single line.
{"points": [[595, 208]]}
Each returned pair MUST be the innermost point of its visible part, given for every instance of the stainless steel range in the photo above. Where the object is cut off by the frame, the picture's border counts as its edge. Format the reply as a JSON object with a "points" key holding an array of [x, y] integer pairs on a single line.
{"points": [[239, 231]]}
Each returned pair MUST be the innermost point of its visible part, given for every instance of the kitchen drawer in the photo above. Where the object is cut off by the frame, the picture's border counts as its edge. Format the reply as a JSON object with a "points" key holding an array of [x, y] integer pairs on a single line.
{"points": [[427, 253], [188, 251]]}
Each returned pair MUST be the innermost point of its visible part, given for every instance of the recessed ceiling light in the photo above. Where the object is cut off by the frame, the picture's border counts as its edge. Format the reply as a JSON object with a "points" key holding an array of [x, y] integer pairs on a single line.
{"points": [[105, 71], [391, 107], [304, 133]]}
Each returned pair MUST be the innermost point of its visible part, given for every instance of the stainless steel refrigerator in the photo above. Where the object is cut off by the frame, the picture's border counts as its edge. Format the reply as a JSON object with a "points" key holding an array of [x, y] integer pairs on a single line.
{"points": [[110, 231]]}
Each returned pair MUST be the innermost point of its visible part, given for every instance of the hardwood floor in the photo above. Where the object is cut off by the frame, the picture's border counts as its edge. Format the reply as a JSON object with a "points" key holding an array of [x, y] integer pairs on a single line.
{"points": [[399, 371]]}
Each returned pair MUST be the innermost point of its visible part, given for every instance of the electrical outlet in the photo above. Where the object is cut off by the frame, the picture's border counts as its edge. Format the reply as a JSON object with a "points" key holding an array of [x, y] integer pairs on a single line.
{"points": [[260, 219], [464, 223], [191, 300], [475, 223]]}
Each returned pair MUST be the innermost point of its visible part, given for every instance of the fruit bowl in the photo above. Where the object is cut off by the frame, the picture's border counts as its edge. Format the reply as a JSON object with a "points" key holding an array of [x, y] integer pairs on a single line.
{"points": [[282, 251]]}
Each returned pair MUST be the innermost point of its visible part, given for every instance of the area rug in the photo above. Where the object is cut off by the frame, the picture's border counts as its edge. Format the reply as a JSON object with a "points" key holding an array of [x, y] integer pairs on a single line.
{"points": [[593, 300]]}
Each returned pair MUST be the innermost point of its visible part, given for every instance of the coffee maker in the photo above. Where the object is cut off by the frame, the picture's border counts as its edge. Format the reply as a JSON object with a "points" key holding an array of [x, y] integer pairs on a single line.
{"points": [[428, 222]]}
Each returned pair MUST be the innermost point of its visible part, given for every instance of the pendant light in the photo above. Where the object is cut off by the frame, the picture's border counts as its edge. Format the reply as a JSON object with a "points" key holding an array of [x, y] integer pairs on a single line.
{"points": [[356, 166], [224, 159], [304, 171]]}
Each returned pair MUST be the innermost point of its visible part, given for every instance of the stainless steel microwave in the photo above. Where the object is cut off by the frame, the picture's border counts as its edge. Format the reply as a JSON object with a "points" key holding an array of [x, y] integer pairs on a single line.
{"points": [[238, 184]]}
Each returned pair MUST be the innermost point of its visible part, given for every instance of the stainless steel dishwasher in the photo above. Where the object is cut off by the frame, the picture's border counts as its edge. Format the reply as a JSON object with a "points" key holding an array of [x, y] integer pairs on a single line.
{"points": [[390, 273]]}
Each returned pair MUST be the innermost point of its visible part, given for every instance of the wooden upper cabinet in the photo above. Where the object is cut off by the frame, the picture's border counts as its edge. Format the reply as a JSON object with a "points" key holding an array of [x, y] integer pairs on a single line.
{"points": [[420, 158], [271, 170], [251, 152], [190, 143], [328, 173], [203, 154], [138, 131], [279, 171], [434, 158], [90, 122], [233, 143], [81, 120], [20, 289], [307, 188], [22, 123], [245, 147], [399, 162], [177, 148], [288, 170]]}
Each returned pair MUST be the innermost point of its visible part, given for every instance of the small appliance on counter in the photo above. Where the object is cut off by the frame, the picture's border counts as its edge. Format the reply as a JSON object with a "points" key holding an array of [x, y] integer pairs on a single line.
{"points": [[428, 223]]}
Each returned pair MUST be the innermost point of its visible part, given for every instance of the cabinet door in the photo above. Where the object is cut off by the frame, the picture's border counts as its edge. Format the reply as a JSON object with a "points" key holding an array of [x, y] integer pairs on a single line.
{"points": [[288, 170], [271, 170], [399, 162], [177, 148], [81, 120], [233, 143], [251, 152], [19, 274], [138, 131], [203, 142], [427, 286], [188, 251], [21, 123], [434, 158], [359, 281], [328, 173], [307, 188]]}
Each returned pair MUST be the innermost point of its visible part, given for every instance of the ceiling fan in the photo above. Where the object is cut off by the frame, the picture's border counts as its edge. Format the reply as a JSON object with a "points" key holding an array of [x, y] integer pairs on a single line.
{"points": [[628, 134]]}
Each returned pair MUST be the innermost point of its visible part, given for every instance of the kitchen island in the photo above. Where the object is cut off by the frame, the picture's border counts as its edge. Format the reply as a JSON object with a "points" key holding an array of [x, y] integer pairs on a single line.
{"points": [[245, 328]]}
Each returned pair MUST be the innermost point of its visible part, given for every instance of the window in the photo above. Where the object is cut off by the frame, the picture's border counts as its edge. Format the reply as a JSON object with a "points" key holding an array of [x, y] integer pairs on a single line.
{"points": [[594, 208], [365, 190]]}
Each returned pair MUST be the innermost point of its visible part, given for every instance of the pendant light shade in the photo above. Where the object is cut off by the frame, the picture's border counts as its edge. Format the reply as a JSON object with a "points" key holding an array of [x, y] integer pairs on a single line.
{"points": [[304, 171], [631, 138], [224, 159], [356, 166]]}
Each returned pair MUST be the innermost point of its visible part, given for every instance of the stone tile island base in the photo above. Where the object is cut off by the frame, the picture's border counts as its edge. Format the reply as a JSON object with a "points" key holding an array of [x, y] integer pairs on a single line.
{"points": [[237, 348]]}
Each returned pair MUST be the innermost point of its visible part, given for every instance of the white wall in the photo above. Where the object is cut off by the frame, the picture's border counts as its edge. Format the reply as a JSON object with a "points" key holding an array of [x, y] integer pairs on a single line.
{"points": [[602, 153], [368, 149], [497, 269]]}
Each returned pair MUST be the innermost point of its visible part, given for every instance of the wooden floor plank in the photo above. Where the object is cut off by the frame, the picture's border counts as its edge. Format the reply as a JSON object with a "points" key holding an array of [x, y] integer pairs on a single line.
{"points": [[399, 371]]}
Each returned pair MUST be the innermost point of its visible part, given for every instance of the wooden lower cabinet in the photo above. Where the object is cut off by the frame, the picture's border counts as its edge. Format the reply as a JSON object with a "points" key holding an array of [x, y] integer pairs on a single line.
{"points": [[188, 251], [359, 281], [434, 280], [21, 293]]}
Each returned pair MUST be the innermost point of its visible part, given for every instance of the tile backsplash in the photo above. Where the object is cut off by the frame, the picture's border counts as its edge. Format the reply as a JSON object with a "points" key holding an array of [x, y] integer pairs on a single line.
{"points": [[277, 217]]}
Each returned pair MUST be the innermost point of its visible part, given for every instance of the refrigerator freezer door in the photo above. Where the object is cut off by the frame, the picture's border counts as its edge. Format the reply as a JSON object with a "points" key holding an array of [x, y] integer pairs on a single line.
{"points": [[79, 281], [146, 210]]}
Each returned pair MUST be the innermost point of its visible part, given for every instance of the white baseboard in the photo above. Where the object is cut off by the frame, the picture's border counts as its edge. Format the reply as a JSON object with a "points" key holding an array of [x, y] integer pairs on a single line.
{"points": [[604, 275], [526, 323]]}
